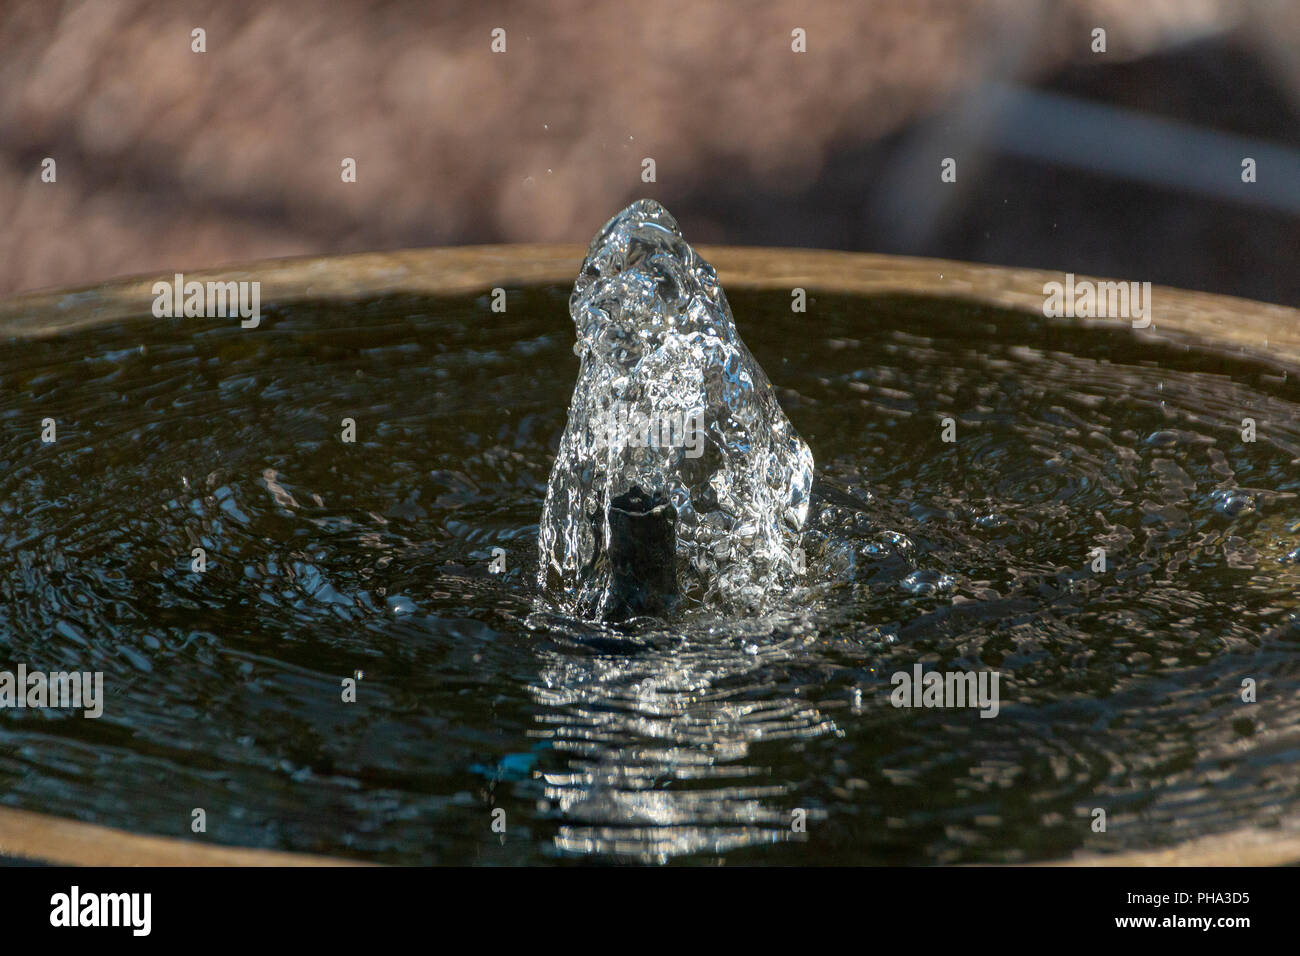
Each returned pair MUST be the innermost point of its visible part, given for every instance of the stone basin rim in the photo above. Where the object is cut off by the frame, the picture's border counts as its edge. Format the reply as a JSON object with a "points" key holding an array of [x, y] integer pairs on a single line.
{"points": [[1208, 320], [1215, 322]]}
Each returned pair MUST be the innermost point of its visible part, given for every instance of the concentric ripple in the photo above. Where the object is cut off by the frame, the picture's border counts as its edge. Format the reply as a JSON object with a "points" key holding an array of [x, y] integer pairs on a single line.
{"points": [[767, 739]]}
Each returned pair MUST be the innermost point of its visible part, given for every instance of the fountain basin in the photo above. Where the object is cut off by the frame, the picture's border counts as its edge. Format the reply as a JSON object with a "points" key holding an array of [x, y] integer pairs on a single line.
{"points": [[1213, 325]]}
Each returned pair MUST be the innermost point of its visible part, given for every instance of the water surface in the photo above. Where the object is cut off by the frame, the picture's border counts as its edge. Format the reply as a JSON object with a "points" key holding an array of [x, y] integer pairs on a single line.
{"points": [[692, 739]]}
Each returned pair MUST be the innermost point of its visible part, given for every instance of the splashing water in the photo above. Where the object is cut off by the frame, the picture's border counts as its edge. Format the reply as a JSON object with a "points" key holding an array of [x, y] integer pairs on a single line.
{"points": [[671, 420]]}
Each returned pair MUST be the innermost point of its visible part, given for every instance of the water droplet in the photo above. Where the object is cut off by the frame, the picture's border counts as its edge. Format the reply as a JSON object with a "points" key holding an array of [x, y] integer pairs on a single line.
{"points": [[927, 582], [887, 543], [1232, 502]]}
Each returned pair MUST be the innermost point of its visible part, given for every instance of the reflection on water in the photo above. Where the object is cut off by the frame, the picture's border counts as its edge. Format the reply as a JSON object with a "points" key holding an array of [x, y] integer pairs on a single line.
{"points": [[695, 739], [660, 746]]}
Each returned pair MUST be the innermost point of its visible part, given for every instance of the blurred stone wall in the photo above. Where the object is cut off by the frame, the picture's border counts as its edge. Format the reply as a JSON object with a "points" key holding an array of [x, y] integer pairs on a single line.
{"points": [[169, 159]]}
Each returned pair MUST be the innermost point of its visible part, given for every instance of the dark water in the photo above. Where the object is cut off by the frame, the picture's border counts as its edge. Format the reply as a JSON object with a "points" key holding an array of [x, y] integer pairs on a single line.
{"points": [[694, 739]]}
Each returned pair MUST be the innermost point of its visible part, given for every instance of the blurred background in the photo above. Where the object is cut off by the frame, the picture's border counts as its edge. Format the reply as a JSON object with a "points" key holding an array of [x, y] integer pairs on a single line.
{"points": [[1122, 163]]}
